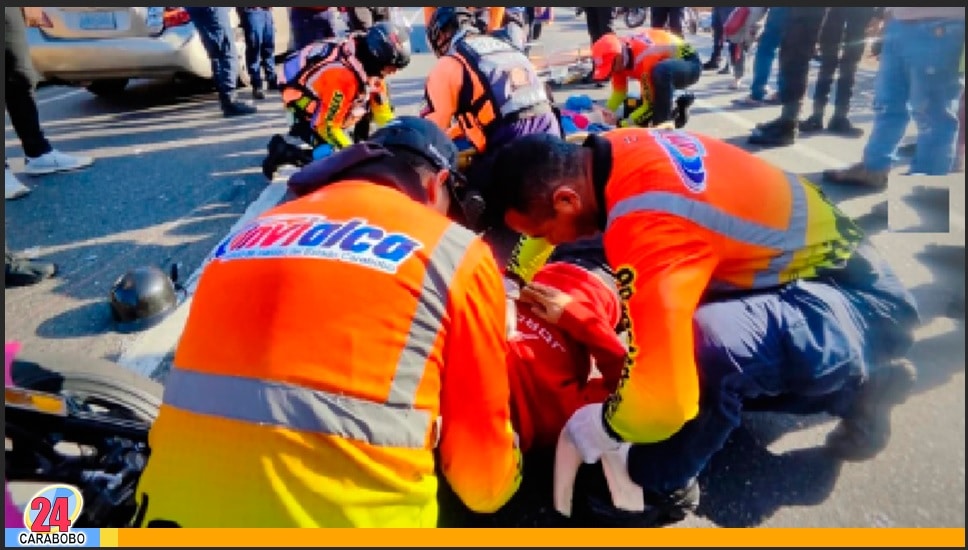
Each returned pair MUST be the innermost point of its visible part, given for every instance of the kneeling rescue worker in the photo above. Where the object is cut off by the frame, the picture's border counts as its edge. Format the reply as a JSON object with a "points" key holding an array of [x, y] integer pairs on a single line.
{"points": [[779, 305], [331, 85], [490, 88], [661, 61], [331, 345]]}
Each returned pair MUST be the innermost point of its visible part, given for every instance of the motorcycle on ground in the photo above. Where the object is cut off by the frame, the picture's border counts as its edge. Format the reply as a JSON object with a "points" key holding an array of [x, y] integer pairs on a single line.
{"points": [[82, 423]]}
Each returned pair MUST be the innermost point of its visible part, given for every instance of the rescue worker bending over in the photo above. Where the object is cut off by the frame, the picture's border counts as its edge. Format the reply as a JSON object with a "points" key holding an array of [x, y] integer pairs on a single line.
{"points": [[331, 85], [331, 345], [661, 61], [482, 88], [782, 305], [486, 91]]}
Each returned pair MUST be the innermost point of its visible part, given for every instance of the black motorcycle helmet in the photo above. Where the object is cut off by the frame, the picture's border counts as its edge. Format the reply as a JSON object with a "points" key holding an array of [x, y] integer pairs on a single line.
{"points": [[143, 297], [384, 45], [444, 24]]}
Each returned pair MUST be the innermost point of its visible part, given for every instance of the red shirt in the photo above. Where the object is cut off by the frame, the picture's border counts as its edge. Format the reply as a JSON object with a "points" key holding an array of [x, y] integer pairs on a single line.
{"points": [[550, 365]]}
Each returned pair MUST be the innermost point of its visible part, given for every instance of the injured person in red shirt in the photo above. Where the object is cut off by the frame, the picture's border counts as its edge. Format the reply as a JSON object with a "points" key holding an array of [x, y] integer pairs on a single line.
{"points": [[566, 352]]}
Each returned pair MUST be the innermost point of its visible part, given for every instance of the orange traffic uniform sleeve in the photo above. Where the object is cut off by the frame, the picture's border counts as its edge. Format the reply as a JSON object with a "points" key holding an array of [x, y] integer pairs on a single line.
{"points": [[663, 265], [441, 94], [495, 18], [337, 88], [479, 457]]}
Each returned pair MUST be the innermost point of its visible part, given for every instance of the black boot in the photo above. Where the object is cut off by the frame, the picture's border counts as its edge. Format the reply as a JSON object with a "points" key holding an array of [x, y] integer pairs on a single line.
{"points": [[776, 133], [838, 124], [232, 107], [711, 65], [22, 271], [813, 123]]}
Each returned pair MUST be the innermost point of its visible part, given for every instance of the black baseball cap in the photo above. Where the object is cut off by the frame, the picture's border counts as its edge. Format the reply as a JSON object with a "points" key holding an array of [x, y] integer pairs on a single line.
{"points": [[421, 137]]}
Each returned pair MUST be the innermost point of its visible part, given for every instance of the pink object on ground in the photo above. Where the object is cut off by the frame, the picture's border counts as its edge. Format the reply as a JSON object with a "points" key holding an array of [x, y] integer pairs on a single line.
{"points": [[12, 515]]}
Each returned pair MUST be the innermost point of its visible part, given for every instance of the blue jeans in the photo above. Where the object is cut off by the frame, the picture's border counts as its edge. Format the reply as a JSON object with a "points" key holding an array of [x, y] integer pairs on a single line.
{"points": [[804, 348], [260, 45], [766, 49], [918, 77], [215, 31]]}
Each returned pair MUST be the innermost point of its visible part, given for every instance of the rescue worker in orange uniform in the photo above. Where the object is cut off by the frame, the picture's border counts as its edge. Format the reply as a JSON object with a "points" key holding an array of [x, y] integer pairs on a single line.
{"points": [[658, 59], [329, 86], [482, 88], [742, 289], [331, 345], [484, 93]]}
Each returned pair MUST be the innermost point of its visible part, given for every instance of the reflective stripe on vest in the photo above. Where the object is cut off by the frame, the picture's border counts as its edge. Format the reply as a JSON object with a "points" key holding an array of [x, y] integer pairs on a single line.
{"points": [[393, 423], [706, 215], [499, 67]]}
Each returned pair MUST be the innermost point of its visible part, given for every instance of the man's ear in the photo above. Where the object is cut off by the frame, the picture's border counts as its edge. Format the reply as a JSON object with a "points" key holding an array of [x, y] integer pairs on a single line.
{"points": [[437, 186], [566, 200]]}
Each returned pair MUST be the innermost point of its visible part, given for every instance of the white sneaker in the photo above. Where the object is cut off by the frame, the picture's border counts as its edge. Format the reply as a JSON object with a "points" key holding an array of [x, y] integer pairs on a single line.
{"points": [[55, 161], [12, 188]]}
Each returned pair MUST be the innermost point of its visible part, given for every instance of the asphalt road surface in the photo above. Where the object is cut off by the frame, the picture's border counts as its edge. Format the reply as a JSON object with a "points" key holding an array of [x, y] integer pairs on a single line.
{"points": [[172, 177]]}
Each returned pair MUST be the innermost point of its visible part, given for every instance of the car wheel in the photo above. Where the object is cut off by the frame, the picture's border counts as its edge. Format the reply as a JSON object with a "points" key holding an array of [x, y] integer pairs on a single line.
{"points": [[108, 88]]}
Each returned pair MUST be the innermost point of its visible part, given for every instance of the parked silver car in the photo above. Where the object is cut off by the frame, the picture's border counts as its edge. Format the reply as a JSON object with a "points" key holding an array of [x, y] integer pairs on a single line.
{"points": [[104, 48]]}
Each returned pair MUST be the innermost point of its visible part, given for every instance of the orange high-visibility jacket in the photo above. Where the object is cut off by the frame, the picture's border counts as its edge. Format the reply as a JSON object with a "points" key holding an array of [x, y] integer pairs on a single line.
{"points": [[690, 215], [647, 48], [329, 345]]}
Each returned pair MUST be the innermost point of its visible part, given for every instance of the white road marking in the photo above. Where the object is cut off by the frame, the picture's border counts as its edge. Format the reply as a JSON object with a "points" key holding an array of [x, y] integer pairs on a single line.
{"points": [[62, 96]]}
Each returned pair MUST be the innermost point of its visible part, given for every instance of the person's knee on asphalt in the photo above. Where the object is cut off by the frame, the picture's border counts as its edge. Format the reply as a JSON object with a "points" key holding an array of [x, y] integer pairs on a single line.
{"points": [[829, 335], [635, 57], [215, 31]]}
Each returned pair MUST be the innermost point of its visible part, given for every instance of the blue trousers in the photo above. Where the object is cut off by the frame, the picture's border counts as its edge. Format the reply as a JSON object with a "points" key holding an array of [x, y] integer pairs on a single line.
{"points": [[918, 77], [766, 48], [260, 45], [804, 348], [215, 31]]}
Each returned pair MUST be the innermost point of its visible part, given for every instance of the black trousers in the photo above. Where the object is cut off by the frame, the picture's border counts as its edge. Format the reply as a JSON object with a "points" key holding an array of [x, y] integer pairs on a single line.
{"points": [[797, 47], [599, 21], [718, 19], [841, 48], [21, 80], [661, 17]]}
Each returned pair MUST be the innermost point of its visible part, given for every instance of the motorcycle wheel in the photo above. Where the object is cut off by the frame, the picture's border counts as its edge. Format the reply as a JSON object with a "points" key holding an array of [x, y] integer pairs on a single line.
{"points": [[635, 17], [112, 386]]}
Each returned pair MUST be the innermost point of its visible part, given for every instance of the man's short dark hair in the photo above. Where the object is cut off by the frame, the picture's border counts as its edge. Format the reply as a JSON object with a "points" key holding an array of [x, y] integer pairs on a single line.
{"points": [[526, 172]]}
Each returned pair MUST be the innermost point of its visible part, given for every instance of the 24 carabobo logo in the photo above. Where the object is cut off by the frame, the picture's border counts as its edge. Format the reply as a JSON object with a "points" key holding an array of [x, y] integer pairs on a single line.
{"points": [[686, 153], [307, 236]]}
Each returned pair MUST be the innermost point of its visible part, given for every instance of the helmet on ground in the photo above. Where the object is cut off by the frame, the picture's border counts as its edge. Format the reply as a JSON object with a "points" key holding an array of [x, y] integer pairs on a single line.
{"points": [[444, 24], [142, 297], [389, 45], [604, 52]]}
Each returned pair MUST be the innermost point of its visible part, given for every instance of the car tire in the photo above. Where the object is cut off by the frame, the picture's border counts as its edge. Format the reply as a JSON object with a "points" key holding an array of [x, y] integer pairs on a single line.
{"points": [[108, 88]]}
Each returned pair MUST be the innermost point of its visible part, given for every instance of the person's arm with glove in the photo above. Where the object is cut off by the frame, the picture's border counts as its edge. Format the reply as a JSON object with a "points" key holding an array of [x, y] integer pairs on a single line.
{"points": [[664, 265], [479, 453], [380, 104]]}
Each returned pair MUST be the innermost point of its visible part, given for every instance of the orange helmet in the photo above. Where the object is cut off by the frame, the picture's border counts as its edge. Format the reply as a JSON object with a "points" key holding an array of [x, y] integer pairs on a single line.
{"points": [[604, 52]]}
